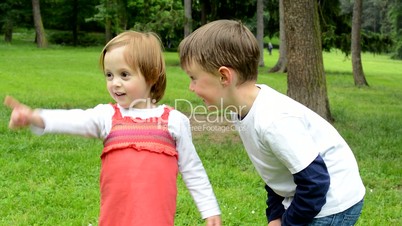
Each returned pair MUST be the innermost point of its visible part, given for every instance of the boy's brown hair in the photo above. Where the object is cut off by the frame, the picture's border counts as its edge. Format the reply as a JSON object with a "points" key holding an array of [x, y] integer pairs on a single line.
{"points": [[222, 43], [143, 52]]}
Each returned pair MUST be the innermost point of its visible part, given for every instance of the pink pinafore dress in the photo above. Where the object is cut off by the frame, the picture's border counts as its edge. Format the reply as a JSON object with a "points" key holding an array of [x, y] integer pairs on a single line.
{"points": [[138, 172]]}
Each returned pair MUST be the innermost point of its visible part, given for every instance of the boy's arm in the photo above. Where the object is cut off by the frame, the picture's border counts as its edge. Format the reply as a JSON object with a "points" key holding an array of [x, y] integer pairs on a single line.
{"points": [[22, 115], [275, 207], [312, 184]]}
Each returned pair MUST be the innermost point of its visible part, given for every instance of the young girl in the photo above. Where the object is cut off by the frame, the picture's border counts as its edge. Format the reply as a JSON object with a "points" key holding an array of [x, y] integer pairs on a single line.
{"points": [[145, 145]]}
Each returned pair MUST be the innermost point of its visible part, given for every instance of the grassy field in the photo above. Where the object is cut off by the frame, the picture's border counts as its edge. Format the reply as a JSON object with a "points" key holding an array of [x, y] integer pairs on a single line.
{"points": [[53, 179]]}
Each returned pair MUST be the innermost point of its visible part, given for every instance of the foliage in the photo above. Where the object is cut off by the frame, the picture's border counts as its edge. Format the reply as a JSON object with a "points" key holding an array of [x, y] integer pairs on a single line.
{"points": [[378, 26], [14, 13], [166, 17], [113, 11], [84, 38], [376, 43], [271, 27], [56, 13], [223, 9], [335, 27], [396, 16]]}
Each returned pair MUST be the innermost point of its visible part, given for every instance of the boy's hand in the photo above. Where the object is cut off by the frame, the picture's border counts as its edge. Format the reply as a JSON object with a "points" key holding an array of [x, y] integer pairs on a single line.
{"points": [[22, 115], [276, 222], [214, 221]]}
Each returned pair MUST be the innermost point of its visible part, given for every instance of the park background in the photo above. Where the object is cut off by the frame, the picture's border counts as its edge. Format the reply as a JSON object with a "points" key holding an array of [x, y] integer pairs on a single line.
{"points": [[53, 179]]}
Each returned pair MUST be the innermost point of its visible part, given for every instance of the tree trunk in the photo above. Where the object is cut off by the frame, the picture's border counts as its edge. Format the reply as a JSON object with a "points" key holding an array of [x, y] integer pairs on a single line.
{"points": [[281, 65], [358, 74], [203, 12], [306, 78], [187, 18], [260, 30], [74, 22], [123, 14], [39, 29], [108, 21], [8, 30]]}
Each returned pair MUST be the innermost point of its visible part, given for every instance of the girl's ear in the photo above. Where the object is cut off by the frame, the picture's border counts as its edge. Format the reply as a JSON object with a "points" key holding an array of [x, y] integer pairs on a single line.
{"points": [[227, 76]]}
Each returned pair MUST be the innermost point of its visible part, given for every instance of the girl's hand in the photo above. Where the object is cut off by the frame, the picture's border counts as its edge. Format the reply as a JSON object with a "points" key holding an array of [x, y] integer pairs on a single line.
{"points": [[22, 115], [214, 221]]}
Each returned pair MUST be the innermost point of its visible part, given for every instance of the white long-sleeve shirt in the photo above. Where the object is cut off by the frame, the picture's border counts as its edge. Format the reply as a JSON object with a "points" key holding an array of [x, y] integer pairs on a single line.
{"points": [[282, 137], [97, 122]]}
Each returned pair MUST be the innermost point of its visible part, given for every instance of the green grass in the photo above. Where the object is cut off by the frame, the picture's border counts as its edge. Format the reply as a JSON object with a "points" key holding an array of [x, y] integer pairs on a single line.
{"points": [[53, 179]]}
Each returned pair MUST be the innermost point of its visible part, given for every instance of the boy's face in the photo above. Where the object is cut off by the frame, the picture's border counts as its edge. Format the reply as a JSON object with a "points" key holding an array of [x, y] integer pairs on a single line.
{"points": [[207, 86]]}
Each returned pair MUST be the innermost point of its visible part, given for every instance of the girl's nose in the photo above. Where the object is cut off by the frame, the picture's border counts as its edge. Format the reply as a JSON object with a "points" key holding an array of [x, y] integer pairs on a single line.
{"points": [[116, 82]]}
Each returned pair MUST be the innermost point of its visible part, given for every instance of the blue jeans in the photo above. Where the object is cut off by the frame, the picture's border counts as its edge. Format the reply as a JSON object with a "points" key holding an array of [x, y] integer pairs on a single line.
{"points": [[346, 218]]}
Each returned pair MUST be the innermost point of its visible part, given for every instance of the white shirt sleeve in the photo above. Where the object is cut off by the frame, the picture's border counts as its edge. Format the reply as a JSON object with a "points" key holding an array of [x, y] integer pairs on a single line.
{"points": [[190, 166], [94, 122], [291, 142]]}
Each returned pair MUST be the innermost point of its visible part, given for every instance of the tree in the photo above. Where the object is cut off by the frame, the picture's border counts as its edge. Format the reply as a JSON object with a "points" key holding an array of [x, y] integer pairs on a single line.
{"points": [[358, 74], [210, 10], [7, 20], [396, 17], [11, 12], [306, 79], [8, 29], [281, 64], [260, 30], [188, 20], [74, 21], [41, 40]]}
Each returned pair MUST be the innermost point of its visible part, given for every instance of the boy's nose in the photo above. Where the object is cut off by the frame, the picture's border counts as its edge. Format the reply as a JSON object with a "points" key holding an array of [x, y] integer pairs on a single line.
{"points": [[191, 87]]}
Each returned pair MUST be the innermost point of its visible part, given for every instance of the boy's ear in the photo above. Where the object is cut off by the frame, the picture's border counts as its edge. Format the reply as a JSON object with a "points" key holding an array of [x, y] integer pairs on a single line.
{"points": [[227, 76]]}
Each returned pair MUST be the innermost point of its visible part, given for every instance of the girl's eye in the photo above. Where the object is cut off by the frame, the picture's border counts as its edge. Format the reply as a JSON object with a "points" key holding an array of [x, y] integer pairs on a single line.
{"points": [[109, 76], [125, 74]]}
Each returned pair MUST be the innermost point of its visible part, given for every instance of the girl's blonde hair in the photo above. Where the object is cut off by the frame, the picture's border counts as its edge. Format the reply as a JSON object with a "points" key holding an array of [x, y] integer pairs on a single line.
{"points": [[143, 52], [222, 43]]}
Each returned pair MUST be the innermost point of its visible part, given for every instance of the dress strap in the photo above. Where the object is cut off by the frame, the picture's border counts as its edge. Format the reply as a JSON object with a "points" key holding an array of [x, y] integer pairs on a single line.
{"points": [[117, 113], [166, 111]]}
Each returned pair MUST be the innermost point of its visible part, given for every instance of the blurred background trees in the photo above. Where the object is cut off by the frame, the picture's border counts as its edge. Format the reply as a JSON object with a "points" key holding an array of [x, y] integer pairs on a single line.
{"points": [[93, 22]]}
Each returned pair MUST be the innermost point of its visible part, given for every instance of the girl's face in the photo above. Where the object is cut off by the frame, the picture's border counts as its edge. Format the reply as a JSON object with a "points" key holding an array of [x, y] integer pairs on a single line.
{"points": [[125, 85]]}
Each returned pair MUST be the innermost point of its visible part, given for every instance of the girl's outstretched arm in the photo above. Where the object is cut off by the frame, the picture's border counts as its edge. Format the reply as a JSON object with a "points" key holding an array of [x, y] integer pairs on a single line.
{"points": [[22, 115]]}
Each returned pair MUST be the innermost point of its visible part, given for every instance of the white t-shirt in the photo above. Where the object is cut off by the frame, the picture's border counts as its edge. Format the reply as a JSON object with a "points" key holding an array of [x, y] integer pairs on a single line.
{"points": [[97, 122], [282, 137]]}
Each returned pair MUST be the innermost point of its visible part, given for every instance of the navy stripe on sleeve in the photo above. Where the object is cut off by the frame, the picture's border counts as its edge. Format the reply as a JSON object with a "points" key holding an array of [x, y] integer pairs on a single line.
{"points": [[312, 184], [275, 208]]}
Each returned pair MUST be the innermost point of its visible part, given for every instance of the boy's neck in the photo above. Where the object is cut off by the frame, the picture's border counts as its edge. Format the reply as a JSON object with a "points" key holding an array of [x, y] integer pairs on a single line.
{"points": [[244, 96]]}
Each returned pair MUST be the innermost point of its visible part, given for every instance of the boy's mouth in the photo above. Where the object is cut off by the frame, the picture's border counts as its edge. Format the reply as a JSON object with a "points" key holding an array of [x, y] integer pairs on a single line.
{"points": [[119, 94]]}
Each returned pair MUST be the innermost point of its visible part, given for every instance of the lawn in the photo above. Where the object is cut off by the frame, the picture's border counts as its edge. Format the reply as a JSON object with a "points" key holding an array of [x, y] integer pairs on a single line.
{"points": [[54, 179]]}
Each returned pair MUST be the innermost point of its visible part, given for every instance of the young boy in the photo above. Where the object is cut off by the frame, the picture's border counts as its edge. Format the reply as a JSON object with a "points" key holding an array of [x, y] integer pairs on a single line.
{"points": [[310, 172]]}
